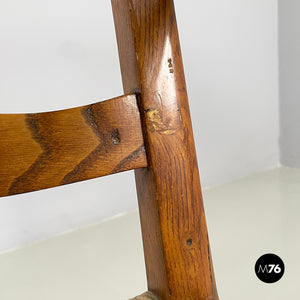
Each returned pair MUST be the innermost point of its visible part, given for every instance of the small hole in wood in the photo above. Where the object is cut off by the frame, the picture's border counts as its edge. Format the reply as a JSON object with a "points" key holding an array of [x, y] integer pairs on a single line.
{"points": [[115, 137], [189, 242]]}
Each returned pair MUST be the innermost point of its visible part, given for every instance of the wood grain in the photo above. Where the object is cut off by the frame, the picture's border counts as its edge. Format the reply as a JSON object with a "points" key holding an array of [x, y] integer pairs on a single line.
{"points": [[176, 246], [44, 150]]}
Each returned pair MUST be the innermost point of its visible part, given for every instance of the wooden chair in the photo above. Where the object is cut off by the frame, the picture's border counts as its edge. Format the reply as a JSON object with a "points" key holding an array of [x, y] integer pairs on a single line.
{"points": [[147, 129]]}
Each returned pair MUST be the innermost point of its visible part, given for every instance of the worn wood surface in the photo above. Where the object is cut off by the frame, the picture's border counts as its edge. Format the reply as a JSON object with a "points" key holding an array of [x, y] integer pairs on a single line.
{"points": [[44, 150], [176, 246]]}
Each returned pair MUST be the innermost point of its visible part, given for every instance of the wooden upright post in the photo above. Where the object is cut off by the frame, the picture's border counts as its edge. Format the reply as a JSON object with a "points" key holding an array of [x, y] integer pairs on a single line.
{"points": [[176, 246]]}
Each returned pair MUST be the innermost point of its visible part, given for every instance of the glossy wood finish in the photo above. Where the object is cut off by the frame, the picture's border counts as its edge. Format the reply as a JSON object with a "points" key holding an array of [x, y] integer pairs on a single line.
{"points": [[44, 150], [176, 246]]}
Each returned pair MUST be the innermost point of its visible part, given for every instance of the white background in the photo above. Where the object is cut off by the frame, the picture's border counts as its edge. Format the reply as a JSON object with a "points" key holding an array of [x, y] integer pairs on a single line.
{"points": [[62, 53]]}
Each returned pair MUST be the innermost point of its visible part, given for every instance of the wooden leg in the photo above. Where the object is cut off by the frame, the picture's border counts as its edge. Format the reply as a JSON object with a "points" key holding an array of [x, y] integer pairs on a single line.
{"points": [[176, 246]]}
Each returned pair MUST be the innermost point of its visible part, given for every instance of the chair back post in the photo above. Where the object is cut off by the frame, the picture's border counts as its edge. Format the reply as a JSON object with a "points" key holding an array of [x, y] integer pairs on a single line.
{"points": [[176, 246]]}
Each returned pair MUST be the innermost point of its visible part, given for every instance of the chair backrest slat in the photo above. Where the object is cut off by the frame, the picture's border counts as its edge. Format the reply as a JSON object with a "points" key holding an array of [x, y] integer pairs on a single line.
{"points": [[44, 150]]}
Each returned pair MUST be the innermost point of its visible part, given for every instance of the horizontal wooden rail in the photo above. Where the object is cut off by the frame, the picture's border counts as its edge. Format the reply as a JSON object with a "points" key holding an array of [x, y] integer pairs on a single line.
{"points": [[44, 150]]}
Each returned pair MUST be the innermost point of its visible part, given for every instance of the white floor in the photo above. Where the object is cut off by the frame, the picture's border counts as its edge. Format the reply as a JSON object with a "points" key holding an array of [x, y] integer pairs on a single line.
{"points": [[246, 218]]}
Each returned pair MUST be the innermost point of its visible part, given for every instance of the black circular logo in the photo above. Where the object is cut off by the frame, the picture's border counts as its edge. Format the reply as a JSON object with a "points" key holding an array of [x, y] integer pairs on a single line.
{"points": [[269, 268]]}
